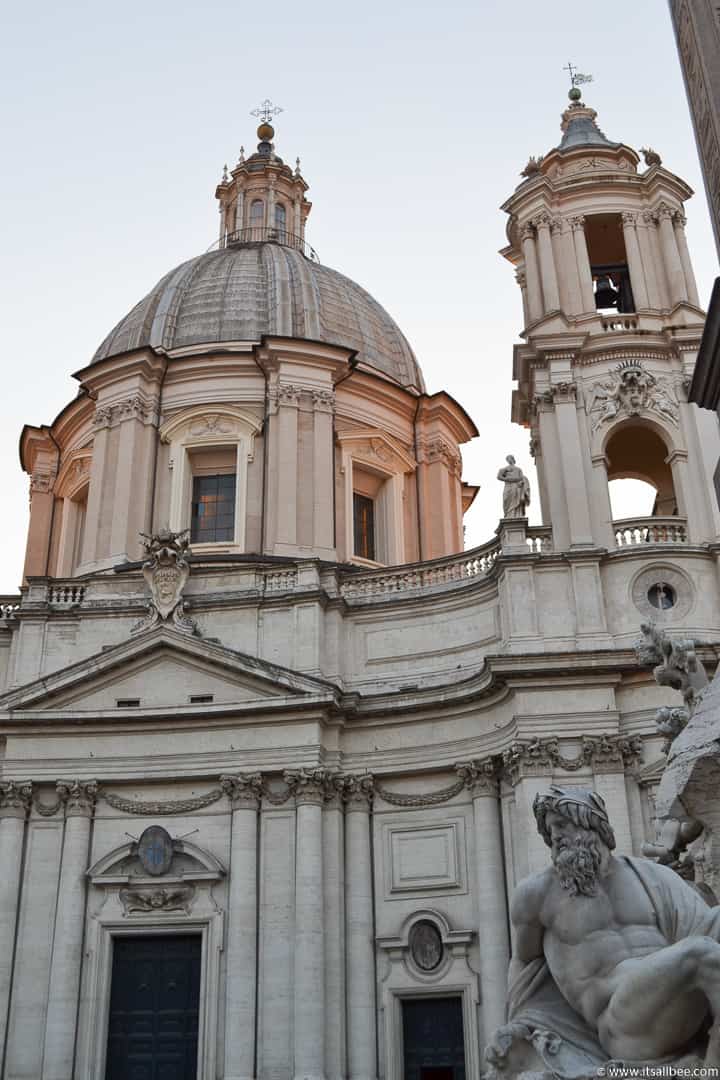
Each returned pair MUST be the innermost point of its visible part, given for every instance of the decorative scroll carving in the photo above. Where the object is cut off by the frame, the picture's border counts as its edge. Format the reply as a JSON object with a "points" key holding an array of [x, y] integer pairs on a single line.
{"points": [[629, 391], [169, 899], [166, 572], [675, 663], [243, 789], [169, 806]]}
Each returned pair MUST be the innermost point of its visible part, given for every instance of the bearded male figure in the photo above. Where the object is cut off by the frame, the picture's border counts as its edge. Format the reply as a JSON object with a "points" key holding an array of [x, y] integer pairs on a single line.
{"points": [[616, 958]]}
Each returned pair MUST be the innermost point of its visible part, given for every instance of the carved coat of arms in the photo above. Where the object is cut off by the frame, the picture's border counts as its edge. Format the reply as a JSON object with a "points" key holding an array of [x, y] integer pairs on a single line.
{"points": [[166, 571], [631, 390]]}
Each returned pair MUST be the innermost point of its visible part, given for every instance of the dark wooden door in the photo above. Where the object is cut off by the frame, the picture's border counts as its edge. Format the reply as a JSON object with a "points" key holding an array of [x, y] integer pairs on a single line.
{"points": [[433, 1042], [154, 1000]]}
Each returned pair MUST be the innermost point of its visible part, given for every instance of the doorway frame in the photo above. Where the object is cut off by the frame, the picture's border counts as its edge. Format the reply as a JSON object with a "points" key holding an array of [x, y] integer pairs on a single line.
{"points": [[96, 992], [395, 1048]]}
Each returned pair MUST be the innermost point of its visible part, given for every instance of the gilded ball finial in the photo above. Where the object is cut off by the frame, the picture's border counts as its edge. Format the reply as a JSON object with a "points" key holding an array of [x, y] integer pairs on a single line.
{"points": [[265, 132]]}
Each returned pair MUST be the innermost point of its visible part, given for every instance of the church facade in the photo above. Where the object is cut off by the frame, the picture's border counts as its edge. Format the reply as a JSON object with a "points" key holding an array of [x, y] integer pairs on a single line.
{"points": [[270, 737]]}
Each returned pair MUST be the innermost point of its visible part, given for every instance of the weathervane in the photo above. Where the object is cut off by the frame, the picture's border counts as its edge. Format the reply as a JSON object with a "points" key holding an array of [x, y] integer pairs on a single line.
{"points": [[576, 79], [266, 110]]}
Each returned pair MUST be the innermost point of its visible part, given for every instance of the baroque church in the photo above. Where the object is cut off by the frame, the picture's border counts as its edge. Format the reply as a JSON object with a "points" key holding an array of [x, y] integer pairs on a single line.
{"points": [[270, 736]]}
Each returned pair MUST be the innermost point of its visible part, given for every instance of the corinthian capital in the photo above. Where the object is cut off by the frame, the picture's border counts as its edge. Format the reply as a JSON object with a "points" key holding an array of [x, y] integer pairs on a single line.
{"points": [[78, 796], [309, 785], [358, 790], [481, 777], [15, 798], [663, 212], [243, 789], [629, 217], [576, 222]]}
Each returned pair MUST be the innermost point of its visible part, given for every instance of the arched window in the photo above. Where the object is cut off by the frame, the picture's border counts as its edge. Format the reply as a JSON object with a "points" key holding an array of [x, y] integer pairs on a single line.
{"points": [[257, 218], [280, 217]]}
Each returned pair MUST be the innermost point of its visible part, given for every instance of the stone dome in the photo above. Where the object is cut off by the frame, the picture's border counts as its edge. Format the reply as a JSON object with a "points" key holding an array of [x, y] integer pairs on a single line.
{"points": [[243, 292]]}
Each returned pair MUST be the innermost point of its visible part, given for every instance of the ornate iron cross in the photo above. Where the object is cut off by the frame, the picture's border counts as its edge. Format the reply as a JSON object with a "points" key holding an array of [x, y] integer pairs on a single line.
{"points": [[266, 110]]}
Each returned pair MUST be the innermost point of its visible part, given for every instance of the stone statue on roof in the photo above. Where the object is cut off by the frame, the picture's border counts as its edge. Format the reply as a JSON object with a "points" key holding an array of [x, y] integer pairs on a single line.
{"points": [[617, 959], [516, 493]]}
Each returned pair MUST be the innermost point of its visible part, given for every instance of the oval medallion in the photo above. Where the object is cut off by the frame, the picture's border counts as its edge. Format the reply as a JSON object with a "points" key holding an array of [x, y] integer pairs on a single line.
{"points": [[426, 947], [155, 850]]}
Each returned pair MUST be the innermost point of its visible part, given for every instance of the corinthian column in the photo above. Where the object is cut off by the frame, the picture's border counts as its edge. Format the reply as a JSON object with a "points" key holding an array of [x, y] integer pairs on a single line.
{"points": [[637, 273], [66, 964], [535, 304], [587, 293], [14, 805], [679, 223], [241, 949], [361, 1010], [309, 1011], [548, 274], [671, 255], [481, 778]]}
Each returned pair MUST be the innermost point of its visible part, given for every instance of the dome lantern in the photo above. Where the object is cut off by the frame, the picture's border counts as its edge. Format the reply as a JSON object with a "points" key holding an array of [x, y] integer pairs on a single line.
{"points": [[263, 199]]}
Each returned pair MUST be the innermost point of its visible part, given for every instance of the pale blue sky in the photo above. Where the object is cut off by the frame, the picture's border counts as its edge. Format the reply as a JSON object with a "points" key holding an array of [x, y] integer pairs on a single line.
{"points": [[412, 122]]}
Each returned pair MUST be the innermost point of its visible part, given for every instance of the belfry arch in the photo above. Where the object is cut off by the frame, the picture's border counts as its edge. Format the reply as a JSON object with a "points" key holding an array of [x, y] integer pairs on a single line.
{"points": [[635, 450]]}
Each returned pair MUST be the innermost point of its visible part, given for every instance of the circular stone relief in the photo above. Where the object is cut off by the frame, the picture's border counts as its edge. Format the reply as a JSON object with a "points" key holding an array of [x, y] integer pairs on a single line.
{"points": [[662, 593], [155, 850], [426, 947]]}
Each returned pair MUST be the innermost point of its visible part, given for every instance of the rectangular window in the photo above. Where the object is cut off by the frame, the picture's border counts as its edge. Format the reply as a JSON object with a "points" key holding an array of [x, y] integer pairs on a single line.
{"points": [[364, 526], [213, 509]]}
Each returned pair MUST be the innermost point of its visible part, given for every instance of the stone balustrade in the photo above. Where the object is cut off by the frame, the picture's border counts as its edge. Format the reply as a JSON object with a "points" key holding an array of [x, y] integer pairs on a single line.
{"points": [[631, 532], [65, 594], [466, 566], [8, 606]]}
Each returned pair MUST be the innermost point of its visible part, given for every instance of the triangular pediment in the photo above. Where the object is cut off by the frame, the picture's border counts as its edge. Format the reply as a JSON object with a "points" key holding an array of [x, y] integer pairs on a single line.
{"points": [[165, 670]]}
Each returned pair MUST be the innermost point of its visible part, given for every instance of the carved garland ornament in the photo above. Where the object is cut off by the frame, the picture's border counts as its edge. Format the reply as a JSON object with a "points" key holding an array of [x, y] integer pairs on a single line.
{"points": [[480, 776]]}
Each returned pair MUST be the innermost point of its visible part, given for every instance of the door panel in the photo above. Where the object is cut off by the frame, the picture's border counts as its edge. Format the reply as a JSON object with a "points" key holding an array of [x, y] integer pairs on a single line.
{"points": [[154, 1003], [433, 1041]]}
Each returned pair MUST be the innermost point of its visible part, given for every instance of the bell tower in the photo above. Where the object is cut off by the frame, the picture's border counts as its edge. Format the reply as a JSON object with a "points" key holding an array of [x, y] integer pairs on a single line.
{"points": [[611, 331]]}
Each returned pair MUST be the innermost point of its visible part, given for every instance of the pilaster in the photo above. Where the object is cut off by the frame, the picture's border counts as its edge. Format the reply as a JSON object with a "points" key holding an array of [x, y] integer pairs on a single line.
{"points": [[78, 799], [360, 929], [309, 788], [481, 779], [244, 791], [15, 800]]}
